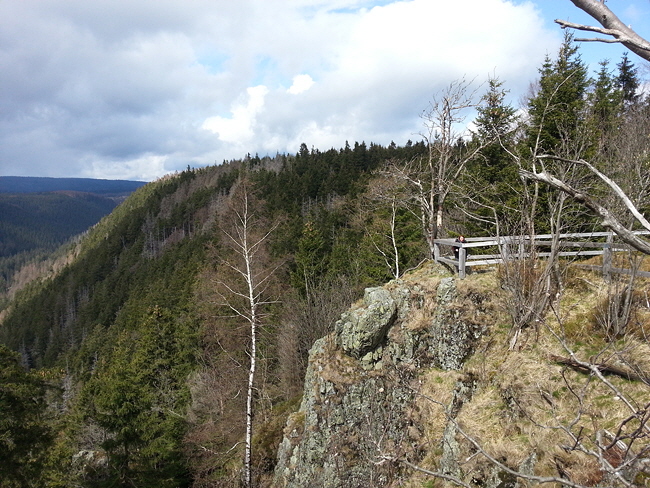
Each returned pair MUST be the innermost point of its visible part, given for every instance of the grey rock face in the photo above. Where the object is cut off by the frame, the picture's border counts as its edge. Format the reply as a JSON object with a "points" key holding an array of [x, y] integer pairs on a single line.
{"points": [[452, 338], [361, 384], [360, 331]]}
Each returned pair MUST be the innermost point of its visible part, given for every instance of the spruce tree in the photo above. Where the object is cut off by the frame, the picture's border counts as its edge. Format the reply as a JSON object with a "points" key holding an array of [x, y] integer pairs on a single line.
{"points": [[494, 125], [627, 79], [557, 109], [24, 434], [492, 178], [605, 102]]}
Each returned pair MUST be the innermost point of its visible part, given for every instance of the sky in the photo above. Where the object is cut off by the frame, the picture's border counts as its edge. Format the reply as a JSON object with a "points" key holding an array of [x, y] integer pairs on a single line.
{"points": [[136, 89]]}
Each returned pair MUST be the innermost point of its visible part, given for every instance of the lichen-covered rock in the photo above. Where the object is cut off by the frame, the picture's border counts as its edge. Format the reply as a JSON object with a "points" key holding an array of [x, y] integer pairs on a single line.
{"points": [[359, 400], [347, 415], [362, 330], [452, 337]]}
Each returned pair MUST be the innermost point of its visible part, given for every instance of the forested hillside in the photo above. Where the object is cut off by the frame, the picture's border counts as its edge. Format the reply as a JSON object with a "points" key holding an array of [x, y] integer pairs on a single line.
{"points": [[44, 221], [152, 262], [173, 346], [37, 215]]}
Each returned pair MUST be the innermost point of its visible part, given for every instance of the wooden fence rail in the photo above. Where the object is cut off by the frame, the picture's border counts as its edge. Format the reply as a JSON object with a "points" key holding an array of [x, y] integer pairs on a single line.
{"points": [[514, 247]]}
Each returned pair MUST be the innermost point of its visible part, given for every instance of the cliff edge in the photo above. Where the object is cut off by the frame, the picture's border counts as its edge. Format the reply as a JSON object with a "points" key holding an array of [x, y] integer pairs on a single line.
{"points": [[419, 385], [363, 380]]}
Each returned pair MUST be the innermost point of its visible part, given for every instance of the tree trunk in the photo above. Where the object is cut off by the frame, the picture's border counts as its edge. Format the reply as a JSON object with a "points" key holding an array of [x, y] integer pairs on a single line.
{"points": [[248, 475]]}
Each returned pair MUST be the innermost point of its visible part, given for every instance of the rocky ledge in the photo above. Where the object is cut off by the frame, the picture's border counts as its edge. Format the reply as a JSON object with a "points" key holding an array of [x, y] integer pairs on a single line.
{"points": [[359, 401]]}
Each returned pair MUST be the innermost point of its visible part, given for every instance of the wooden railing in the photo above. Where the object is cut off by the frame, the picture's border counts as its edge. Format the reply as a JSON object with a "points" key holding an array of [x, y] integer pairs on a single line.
{"points": [[515, 247]]}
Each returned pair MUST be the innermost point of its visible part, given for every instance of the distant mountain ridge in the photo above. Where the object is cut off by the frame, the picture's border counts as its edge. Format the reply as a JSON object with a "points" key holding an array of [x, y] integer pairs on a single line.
{"points": [[39, 214], [38, 184]]}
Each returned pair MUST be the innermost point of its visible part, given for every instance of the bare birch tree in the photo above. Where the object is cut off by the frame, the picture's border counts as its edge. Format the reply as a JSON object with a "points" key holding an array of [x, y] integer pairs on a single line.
{"points": [[432, 177], [379, 212], [244, 288]]}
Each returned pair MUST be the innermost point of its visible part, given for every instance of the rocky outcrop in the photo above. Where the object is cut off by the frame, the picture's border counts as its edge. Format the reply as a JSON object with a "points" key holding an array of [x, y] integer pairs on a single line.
{"points": [[418, 386], [359, 405], [361, 331]]}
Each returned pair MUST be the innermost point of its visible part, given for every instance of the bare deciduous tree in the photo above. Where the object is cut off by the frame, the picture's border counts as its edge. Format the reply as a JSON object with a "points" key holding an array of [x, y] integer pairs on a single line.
{"points": [[378, 214], [432, 177], [304, 320], [243, 290], [608, 218], [612, 26]]}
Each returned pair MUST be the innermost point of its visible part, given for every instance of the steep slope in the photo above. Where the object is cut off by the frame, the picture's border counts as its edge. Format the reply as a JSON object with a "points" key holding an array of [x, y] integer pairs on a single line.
{"points": [[45, 221], [417, 387], [37, 215], [145, 366], [361, 388]]}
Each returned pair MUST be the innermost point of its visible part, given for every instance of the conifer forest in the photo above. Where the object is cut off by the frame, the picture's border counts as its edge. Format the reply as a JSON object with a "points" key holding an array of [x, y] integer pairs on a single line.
{"points": [[168, 345]]}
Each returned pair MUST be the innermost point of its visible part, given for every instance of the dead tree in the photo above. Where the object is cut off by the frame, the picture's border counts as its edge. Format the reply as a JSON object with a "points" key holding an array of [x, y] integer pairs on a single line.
{"points": [[607, 217], [612, 26], [432, 177], [620, 33]]}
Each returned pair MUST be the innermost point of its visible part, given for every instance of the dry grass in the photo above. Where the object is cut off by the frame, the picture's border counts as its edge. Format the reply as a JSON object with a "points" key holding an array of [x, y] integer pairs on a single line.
{"points": [[524, 402]]}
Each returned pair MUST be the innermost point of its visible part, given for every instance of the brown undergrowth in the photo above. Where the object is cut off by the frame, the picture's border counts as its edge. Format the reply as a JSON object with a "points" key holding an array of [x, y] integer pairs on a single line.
{"points": [[526, 409]]}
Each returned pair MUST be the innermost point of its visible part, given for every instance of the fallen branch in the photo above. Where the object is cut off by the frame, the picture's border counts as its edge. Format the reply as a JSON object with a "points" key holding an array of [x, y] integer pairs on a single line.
{"points": [[605, 369]]}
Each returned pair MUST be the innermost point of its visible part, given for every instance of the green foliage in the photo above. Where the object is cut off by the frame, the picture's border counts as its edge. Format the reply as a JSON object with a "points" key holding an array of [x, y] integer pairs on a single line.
{"points": [[88, 296], [24, 432], [122, 317], [492, 179], [133, 316], [557, 109], [627, 80], [34, 225], [137, 396], [605, 102], [311, 258]]}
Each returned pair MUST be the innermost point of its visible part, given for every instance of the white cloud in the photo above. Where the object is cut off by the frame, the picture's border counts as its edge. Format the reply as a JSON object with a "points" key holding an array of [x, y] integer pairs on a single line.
{"points": [[239, 128], [145, 168], [301, 83], [114, 88]]}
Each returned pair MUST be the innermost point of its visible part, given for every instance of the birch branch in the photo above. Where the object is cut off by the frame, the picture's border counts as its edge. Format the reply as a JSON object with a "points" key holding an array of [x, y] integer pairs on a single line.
{"points": [[611, 26]]}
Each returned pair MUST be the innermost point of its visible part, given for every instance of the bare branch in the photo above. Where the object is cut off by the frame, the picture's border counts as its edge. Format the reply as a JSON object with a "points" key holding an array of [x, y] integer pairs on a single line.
{"points": [[609, 182], [612, 26], [608, 219], [602, 367], [246, 241]]}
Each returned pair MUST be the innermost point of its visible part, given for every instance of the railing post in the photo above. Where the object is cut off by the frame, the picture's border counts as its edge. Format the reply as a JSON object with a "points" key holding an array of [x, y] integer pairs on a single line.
{"points": [[436, 251], [504, 249], [462, 253], [607, 257]]}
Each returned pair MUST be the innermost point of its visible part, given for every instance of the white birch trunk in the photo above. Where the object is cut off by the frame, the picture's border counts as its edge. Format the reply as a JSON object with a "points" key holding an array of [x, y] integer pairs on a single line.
{"points": [[245, 240]]}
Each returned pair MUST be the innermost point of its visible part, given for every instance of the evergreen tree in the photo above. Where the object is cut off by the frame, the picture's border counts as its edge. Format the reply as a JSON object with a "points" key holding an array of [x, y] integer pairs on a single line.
{"points": [[557, 109], [605, 103], [23, 431], [492, 179], [311, 258], [494, 125], [137, 396], [627, 79]]}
